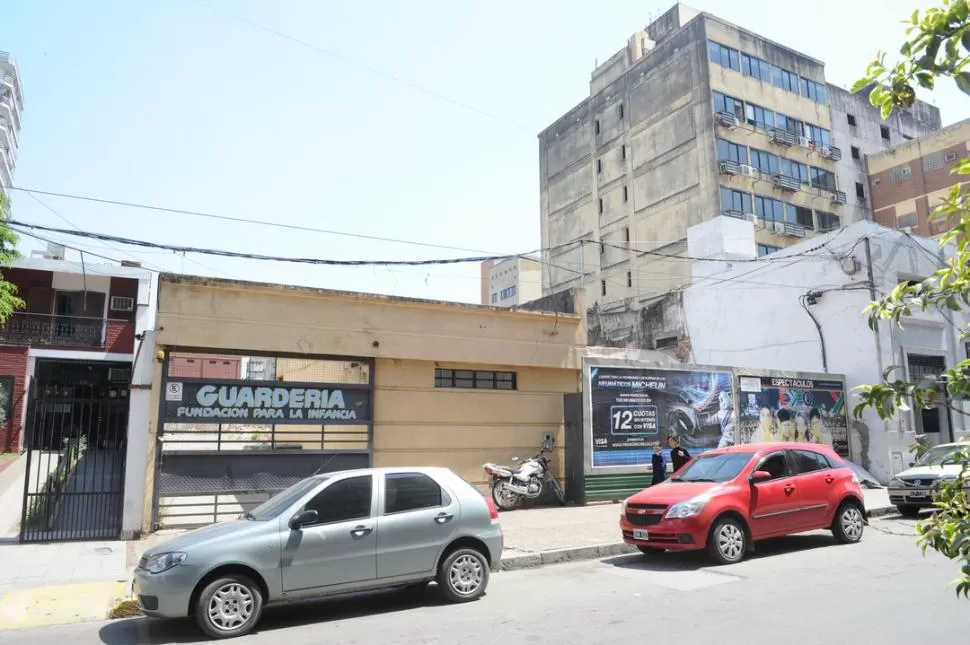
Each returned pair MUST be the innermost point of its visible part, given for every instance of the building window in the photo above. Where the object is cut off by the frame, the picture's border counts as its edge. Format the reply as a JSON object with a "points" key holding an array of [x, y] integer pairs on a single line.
{"points": [[629, 278], [759, 117], [724, 56], [735, 201], [933, 161], [813, 90], [860, 190], [907, 137], [494, 297], [900, 174], [820, 136], [597, 126], [602, 248], [626, 194], [756, 68], [851, 119], [950, 156], [906, 221], [623, 151], [827, 221], [599, 166], [621, 111], [798, 171], [626, 235], [602, 287], [508, 292], [767, 249], [786, 80], [769, 209], [823, 179], [765, 161], [730, 151], [884, 132], [855, 153], [600, 202], [729, 104], [474, 379]]}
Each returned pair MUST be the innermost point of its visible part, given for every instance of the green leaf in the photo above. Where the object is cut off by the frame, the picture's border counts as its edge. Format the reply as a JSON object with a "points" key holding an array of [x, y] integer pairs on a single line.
{"points": [[965, 39], [859, 85], [963, 82], [926, 80], [951, 49], [926, 62]]}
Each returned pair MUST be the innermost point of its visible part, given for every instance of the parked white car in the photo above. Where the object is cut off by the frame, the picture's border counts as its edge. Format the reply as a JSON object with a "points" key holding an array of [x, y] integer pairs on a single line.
{"points": [[912, 490]]}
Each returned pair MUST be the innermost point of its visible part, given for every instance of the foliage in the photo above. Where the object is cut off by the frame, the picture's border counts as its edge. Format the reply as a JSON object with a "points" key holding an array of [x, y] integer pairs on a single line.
{"points": [[937, 47], [43, 506], [9, 302]]}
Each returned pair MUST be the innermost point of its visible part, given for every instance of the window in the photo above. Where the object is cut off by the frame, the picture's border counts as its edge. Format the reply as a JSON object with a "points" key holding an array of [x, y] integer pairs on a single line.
{"points": [[769, 209], [908, 220], [950, 156], [735, 200], [412, 492], [343, 501], [884, 132], [933, 161], [723, 56], [621, 111], [824, 179], [791, 125], [596, 126], [600, 205], [827, 221], [756, 68], [803, 216], [796, 170], [722, 467], [855, 153], [759, 117], [851, 119], [807, 461], [785, 80], [729, 104], [629, 278], [602, 287], [820, 136], [474, 379], [729, 151], [900, 174], [508, 292], [602, 248], [623, 151], [767, 249], [626, 194], [765, 161], [860, 190], [775, 464], [599, 165], [495, 297], [813, 90], [626, 235]]}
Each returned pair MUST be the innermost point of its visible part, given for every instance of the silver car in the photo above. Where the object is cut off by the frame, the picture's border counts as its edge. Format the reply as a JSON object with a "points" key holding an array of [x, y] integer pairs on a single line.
{"points": [[341, 532]]}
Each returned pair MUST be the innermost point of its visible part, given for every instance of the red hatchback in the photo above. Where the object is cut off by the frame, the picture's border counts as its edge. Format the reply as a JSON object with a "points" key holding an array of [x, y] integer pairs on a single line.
{"points": [[727, 499]]}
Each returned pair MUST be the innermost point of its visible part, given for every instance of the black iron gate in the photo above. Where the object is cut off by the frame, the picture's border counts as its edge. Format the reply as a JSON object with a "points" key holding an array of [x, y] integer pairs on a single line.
{"points": [[75, 438]]}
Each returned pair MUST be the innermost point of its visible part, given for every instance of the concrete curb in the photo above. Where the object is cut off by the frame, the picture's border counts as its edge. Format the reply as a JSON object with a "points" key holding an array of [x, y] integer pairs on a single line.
{"points": [[558, 556]]}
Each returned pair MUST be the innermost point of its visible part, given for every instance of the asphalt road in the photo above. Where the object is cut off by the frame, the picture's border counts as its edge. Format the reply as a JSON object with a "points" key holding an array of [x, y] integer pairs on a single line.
{"points": [[797, 590]]}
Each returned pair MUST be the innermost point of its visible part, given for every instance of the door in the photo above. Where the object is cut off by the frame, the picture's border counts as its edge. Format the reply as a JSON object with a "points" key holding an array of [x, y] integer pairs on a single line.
{"points": [[816, 483], [775, 501], [341, 547], [418, 519]]}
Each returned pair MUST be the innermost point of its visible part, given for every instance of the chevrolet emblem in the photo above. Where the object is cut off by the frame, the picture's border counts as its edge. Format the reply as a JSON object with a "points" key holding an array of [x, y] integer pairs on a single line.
{"points": [[917, 482], [642, 511]]}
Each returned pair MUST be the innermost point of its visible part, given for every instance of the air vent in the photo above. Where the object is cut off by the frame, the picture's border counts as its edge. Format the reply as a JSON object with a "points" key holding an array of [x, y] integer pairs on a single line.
{"points": [[727, 120], [729, 167], [122, 303], [786, 183], [119, 375], [830, 152], [838, 197], [783, 137]]}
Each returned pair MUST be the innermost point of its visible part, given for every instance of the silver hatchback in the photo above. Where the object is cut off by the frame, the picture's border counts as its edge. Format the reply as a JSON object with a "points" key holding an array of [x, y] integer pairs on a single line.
{"points": [[341, 532]]}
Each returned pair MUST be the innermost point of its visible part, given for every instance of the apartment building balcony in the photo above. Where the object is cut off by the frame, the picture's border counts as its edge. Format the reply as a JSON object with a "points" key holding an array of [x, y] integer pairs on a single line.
{"points": [[8, 135], [6, 168], [47, 330]]}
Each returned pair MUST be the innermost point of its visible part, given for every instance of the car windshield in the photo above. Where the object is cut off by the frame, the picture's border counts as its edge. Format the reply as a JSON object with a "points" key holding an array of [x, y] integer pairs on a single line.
{"points": [[271, 508], [940, 456], [714, 468]]}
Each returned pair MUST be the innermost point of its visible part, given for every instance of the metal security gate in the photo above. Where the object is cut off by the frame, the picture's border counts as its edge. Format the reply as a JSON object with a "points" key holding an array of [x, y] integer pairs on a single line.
{"points": [[235, 430], [75, 438]]}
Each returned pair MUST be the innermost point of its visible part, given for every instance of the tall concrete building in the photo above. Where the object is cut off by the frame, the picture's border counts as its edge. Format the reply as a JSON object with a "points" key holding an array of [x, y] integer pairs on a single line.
{"points": [[511, 282], [695, 118], [908, 181], [11, 107]]}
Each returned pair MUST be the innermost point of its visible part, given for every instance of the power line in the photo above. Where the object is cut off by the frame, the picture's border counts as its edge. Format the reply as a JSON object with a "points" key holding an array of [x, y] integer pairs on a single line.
{"points": [[368, 68]]}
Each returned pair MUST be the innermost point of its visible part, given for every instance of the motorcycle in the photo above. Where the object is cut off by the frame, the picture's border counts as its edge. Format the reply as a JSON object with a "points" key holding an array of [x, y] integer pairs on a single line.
{"points": [[510, 485]]}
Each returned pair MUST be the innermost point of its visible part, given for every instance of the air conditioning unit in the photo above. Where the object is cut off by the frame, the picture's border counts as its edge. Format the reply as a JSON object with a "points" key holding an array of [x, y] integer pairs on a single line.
{"points": [[122, 303], [754, 219], [727, 120], [831, 152], [805, 142], [728, 167], [119, 375], [782, 137], [748, 171], [778, 227], [786, 183], [838, 197]]}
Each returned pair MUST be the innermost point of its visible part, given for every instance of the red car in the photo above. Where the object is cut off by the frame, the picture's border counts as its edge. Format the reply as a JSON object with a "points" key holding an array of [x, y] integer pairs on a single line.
{"points": [[727, 499]]}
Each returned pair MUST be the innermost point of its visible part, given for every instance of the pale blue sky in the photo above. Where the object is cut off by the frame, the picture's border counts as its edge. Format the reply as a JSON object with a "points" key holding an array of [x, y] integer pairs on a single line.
{"points": [[167, 102]]}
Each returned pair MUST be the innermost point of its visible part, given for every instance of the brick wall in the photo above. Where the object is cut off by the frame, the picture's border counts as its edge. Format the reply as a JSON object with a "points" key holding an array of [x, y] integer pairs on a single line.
{"points": [[120, 337], [37, 282], [13, 362]]}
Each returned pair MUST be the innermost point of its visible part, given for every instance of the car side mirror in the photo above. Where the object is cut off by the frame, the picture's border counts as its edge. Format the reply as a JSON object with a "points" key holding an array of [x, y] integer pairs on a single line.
{"points": [[759, 476], [912, 464], [303, 518]]}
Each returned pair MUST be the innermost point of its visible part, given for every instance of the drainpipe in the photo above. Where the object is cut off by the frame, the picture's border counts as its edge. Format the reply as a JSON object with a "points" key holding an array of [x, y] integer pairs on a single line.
{"points": [[872, 297], [811, 297]]}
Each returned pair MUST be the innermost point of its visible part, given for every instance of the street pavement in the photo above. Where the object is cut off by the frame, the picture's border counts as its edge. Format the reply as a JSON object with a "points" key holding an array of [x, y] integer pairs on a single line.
{"points": [[797, 590]]}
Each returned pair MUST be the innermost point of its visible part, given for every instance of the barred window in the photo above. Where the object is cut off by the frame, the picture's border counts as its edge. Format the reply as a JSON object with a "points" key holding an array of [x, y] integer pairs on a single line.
{"points": [[474, 379]]}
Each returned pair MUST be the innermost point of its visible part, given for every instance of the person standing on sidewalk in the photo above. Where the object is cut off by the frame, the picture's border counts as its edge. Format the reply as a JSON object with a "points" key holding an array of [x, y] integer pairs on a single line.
{"points": [[678, 456], [659, 467]]}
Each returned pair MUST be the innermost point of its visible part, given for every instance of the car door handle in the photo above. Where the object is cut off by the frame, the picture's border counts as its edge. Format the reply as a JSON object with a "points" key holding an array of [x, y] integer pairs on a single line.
{"points": [[829, 479], [789, 489], [441, 518], [361, 531]]}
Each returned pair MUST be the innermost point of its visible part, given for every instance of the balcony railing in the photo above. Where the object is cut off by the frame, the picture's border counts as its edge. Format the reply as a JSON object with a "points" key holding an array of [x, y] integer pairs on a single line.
{"points": [[57, 331]]}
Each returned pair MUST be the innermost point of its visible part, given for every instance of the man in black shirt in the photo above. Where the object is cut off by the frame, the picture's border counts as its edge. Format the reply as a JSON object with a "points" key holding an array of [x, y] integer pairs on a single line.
{"points": [[678, 455]]}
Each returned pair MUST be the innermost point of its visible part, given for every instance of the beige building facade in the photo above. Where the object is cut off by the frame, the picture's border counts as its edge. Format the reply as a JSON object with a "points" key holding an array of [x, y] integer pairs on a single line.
{"points": [[511, 282], [402, 382]]}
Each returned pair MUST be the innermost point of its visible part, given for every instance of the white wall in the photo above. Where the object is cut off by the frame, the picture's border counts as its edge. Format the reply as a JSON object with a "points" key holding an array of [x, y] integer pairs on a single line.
{"points": [[750, 316], [139, 425], [523, 274]]}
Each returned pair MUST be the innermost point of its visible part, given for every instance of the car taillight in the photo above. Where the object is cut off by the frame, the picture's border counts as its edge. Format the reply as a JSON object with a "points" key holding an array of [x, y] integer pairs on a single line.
{"points": [[492, 510]]}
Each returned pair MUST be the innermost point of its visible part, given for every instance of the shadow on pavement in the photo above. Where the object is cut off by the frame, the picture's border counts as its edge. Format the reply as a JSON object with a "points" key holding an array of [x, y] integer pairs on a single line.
{"points": [[694, 560], [150, 631]]}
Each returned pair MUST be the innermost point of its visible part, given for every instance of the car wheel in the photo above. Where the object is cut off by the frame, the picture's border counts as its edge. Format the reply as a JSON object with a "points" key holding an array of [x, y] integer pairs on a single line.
{"points": [[650, 550], [229, 607], [728, 541], [463, 575], [849, 524], [907, 510]]}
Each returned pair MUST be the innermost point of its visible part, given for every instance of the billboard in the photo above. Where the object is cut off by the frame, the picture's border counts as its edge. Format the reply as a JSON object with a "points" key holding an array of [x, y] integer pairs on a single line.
{"points": [[776, 408], [633, 407]]}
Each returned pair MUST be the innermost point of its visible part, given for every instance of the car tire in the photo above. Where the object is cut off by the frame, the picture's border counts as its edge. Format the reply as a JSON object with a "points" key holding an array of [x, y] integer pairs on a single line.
{"points": [[849, 523], [651, 550], [228, 607], [463, 575], [728, 541], [907, 510]]}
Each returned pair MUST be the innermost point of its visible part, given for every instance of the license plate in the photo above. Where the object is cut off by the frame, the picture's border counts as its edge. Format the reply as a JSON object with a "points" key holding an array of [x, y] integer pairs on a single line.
{"points": [[641, 535], [919, 494]]}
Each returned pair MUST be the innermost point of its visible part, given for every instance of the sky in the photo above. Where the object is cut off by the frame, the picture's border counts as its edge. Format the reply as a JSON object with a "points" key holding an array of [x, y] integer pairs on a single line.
{"points": [[411, 121]]}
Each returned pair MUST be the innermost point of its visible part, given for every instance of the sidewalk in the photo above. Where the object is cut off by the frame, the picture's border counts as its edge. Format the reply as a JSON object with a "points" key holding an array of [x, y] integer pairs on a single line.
{"points": [[51, 584]]}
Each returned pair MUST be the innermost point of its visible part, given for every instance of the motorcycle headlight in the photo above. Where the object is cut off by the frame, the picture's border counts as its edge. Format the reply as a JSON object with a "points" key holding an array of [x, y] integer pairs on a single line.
{"points": [[164, 562], [690, 508]]}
